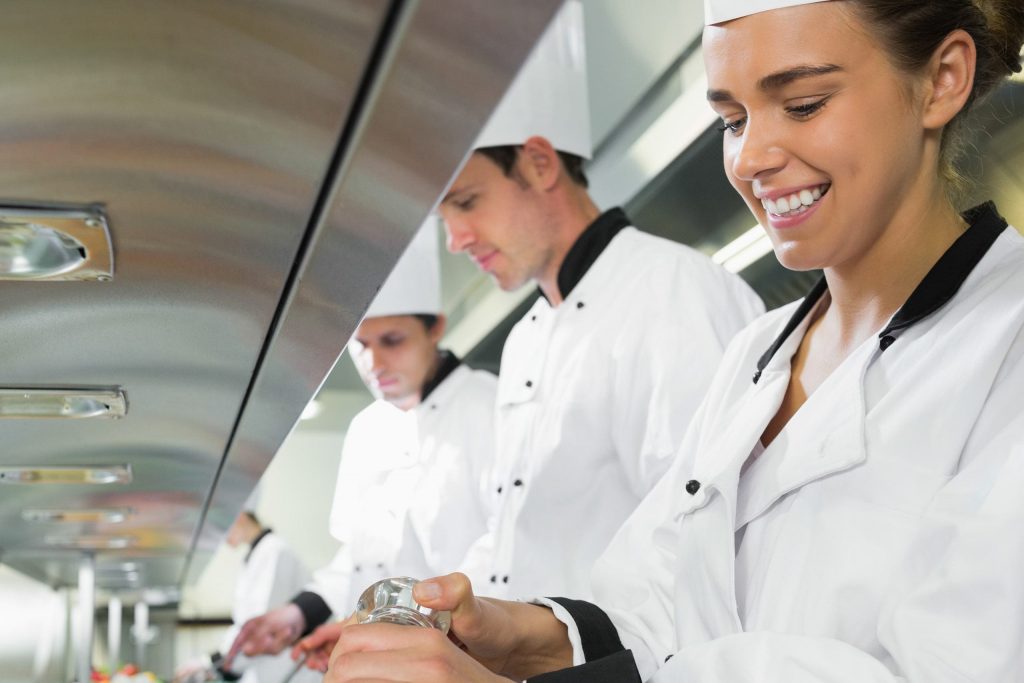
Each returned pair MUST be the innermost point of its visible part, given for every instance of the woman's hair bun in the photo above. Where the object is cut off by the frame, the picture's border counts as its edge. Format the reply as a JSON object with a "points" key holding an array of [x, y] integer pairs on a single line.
{"points": [[1005, 19]]}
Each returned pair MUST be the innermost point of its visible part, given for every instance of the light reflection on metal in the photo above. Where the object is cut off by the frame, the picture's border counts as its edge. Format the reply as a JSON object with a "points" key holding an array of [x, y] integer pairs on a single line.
{"points": [[104, 515], [91, 542], [114, 631], [55, 244], [63, 403], [86, 617], [106, 474]]}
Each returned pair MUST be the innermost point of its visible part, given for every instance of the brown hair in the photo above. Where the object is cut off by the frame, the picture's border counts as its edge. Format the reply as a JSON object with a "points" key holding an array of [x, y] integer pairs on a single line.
{"points": [[428, 320], [505, 157], [911, 31]]}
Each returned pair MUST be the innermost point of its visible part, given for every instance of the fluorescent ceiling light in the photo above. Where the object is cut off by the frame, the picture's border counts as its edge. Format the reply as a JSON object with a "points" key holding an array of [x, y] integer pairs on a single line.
{"points": [[55, 244], [312, 410], [63, 403], [105, 515], [744, 250], [91, 542], [107, 474]]}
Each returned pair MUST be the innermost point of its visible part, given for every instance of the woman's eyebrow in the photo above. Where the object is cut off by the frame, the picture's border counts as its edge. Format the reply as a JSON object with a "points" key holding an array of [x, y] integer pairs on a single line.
{"points": [[779, 79]]}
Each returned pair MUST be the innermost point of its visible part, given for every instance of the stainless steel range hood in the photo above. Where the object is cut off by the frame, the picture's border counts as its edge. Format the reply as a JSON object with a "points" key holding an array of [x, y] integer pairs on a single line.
{"points": [[261, 166]]}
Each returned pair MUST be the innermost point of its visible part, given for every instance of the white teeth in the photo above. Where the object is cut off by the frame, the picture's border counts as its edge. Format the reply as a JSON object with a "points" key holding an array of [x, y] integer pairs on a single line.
{"points": [[794, 202]]}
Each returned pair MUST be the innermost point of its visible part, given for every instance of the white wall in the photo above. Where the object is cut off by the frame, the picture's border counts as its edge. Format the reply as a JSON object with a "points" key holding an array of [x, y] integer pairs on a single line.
{"points": [[32, 644]]}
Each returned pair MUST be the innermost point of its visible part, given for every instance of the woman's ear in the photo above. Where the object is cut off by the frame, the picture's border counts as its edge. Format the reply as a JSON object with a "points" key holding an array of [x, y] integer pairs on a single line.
{"points": [[950, 79], [540, 164]]}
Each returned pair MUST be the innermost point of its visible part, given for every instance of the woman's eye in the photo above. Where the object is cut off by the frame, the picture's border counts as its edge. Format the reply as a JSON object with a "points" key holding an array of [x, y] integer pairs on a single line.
{"points": [[803, 111], [734, 126]]}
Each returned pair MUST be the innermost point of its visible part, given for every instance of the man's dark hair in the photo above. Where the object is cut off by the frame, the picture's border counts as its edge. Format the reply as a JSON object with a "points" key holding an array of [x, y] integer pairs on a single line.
{"points": [[505, 157], [428, 320]]}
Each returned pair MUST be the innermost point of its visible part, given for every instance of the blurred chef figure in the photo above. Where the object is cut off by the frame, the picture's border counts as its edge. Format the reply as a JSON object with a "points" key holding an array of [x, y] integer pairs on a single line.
{"points": [[600, 378], [271, 573], [409, 496]]}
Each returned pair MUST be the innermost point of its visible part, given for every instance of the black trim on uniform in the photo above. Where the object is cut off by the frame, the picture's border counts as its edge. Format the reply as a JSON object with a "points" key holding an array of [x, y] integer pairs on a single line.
{"points": [[314, 610], [255, 542], [940, 285], [588, 247], [217, 662], [809, 302], [945, 278], [597, 632], [617, 668], [449, 361]]}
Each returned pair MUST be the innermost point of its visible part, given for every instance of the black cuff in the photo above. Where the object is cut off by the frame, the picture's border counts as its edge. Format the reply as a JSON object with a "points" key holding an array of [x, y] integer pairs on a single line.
{"points": [[597, 633], [314, 610], [617, 668], [217, 661]]}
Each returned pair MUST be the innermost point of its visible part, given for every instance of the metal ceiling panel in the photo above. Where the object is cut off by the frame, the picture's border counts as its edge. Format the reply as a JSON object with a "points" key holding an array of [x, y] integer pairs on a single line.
{"points": [[442, 67], [205, 129]]}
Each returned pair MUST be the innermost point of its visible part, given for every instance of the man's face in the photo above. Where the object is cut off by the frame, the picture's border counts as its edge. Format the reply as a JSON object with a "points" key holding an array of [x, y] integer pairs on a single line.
{"points": [[236, 534], [498, 221], [395, 355]]}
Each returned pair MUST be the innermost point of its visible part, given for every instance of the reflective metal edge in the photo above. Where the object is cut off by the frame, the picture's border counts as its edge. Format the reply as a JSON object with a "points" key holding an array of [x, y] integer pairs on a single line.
{"points": [[443, 66]]}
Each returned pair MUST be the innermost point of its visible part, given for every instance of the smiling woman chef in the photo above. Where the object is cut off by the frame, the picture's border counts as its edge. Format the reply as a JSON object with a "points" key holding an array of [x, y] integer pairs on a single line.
{"points": [[846, 504]]}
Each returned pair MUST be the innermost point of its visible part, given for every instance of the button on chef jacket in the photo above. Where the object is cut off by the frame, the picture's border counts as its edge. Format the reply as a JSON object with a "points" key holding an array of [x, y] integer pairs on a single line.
{"points": [[409, 498], [877, 539], [594, 396], [271, 574]]}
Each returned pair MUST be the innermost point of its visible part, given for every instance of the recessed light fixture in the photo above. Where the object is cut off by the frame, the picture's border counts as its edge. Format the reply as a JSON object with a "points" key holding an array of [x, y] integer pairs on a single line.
{"points": [[55, 244], [105, 515], [107, 474], [63, 403], [91, 542]]}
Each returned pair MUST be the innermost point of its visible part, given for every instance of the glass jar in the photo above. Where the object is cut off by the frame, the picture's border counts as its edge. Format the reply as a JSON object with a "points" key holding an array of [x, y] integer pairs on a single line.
{"points": [[391, 601]]}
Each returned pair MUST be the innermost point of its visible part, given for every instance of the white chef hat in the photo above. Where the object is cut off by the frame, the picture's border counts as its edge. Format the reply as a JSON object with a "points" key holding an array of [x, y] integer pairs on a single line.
{"points": [[549, 95], [414, 285], [253, 501], [717, 11]]}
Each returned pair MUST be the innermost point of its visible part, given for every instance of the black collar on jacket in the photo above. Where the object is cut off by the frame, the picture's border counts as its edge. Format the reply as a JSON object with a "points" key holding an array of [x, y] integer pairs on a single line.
{"points": [[256, 541], [588, 247], [941, 283], [449, 361]]}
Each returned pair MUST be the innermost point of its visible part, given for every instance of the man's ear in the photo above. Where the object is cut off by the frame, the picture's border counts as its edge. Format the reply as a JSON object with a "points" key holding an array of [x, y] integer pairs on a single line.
{"points": [[540, 165], [437, 331]]}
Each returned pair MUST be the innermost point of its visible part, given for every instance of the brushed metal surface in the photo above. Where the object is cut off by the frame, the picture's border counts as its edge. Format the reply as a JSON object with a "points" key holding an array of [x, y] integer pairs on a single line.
{"points": [[205, 129], [445, 65]]}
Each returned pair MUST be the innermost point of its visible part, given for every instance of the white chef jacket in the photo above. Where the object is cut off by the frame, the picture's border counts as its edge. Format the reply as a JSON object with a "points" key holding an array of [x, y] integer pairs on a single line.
{"points": [[271, 574], [880, 536], [594, 396], [409, 500]]}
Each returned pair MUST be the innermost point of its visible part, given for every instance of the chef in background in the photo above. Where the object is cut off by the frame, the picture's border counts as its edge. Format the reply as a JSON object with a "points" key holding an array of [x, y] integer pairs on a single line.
{"points": [[271, 572], [409, 499]]}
